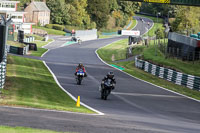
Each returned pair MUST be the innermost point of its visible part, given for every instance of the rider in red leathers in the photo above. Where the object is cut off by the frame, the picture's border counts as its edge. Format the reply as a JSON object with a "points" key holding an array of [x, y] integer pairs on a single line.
{"points": [[80, 66]]}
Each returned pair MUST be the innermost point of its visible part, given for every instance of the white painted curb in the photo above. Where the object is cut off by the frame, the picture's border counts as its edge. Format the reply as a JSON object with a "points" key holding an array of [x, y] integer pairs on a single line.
{"points": [[45, 52], [135, 24], [141, 79], [46, 110], [75, 99], [48, 43]]}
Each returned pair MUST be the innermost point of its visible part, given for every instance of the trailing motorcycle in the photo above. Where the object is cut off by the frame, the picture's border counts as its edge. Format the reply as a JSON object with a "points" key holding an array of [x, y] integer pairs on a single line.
{"points": [[106, 88], [79, 76]]}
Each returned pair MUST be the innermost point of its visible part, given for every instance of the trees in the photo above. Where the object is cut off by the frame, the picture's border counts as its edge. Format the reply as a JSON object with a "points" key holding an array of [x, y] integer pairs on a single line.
{"points": [[59, 11], [70, 12], [187, 19], [99, 11]]}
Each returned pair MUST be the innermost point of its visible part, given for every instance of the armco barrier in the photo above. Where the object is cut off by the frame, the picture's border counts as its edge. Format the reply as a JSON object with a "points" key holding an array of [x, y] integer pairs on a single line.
{"points": [[3, 71], [192, 82]]}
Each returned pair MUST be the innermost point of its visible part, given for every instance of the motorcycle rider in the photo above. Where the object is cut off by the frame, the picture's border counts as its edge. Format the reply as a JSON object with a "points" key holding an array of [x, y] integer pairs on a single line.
{"points": [[80, 66], [110, 75]]}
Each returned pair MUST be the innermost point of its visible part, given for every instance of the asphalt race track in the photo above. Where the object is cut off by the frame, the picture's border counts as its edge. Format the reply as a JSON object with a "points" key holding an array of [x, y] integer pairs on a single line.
{"points": [[133, 107]]}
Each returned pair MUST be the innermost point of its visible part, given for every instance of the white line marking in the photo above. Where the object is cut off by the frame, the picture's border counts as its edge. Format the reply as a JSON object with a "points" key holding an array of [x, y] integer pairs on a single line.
{"points": [[141, 79], [45, 52], [147, 95], [47, 110], [48, 43], [136, 23], [75, 99]]}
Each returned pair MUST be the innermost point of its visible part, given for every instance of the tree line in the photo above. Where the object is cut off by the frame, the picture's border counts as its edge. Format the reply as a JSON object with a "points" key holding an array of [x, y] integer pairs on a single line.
{"points": [[182, 18], [89, 13], [116, 13]]}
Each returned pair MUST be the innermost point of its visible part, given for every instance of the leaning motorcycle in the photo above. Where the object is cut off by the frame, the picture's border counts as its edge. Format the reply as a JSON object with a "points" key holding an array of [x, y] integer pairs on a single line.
{"points": [[79, 76], [106, 88]]}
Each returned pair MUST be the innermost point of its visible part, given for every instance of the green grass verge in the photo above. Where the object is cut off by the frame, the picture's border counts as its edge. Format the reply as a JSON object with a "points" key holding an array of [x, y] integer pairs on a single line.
{"points": [[134, 22], [157, 24], [38, 53], [50, 31], [106, 36], [16, 44], [7, 129], [36, 37], [131, 69], [42, 43], [148, 53], [30, 84], [114, 52]]}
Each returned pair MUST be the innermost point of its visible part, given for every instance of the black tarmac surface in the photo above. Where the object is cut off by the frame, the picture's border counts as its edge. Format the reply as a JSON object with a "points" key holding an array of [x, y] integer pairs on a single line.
{"points": [[133, 107]]}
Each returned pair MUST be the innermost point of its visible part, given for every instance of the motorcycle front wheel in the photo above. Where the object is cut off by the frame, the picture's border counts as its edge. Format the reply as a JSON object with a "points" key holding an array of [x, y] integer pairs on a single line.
{"points": [[79, 80]]}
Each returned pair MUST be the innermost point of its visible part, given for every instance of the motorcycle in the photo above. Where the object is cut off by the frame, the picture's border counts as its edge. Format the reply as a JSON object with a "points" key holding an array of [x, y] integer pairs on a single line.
{"points": [[79, 76], [106, 88]]}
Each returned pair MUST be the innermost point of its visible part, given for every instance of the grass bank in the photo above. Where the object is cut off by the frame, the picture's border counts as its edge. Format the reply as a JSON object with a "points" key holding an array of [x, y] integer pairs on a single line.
{"points": [[30, 84], [134, 22], [6, 129], [114, 52], [50, 31], [39, 40], [40, 51], [148, 53], [107, 52]]}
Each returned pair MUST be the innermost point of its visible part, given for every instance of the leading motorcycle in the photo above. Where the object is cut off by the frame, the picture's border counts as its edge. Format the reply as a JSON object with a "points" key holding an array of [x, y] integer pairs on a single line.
{"points": [[79, 76]]}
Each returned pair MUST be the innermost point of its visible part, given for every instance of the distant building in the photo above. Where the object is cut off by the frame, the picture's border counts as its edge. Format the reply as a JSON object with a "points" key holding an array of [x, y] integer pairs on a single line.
{"points": [[37, 12], [8, 9]]}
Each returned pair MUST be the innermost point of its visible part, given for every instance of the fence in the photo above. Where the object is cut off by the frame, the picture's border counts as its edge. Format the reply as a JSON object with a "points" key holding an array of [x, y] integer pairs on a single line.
{"points": [[190, 81], [175, 50]]}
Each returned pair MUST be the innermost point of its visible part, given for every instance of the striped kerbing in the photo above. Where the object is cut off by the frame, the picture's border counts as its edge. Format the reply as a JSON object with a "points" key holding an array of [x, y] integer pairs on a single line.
{"points": [[190, 81]]}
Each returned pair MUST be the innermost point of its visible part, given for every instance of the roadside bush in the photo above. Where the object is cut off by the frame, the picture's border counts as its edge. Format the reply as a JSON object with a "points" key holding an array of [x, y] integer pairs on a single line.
{"points": [[58, 27], [50, 26]]}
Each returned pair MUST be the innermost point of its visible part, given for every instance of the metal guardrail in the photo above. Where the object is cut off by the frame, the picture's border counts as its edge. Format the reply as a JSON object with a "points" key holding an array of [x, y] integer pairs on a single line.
{"points": [[190, 81]]}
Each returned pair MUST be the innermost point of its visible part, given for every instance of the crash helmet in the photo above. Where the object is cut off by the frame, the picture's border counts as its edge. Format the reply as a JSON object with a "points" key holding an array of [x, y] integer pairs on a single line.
{"points": [[110, 74], [80, 65]]}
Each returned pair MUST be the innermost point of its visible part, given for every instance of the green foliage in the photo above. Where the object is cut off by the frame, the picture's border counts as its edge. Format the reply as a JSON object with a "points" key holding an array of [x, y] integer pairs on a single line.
{"points": [[99, 11], [113, 5], [187, 18], [50, 31], [58, 27], [50, 26], [153, 8], [160, 33], [59, 11]]}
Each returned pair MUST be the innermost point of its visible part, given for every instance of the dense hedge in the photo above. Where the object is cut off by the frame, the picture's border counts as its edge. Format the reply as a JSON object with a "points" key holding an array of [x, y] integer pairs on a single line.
{"points": [[50, 26], [55, 26], [58, 27]]}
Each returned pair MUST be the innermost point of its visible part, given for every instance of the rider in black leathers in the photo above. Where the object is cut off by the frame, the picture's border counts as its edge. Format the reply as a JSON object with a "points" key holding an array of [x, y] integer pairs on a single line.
{"points": [[110, 75]]}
